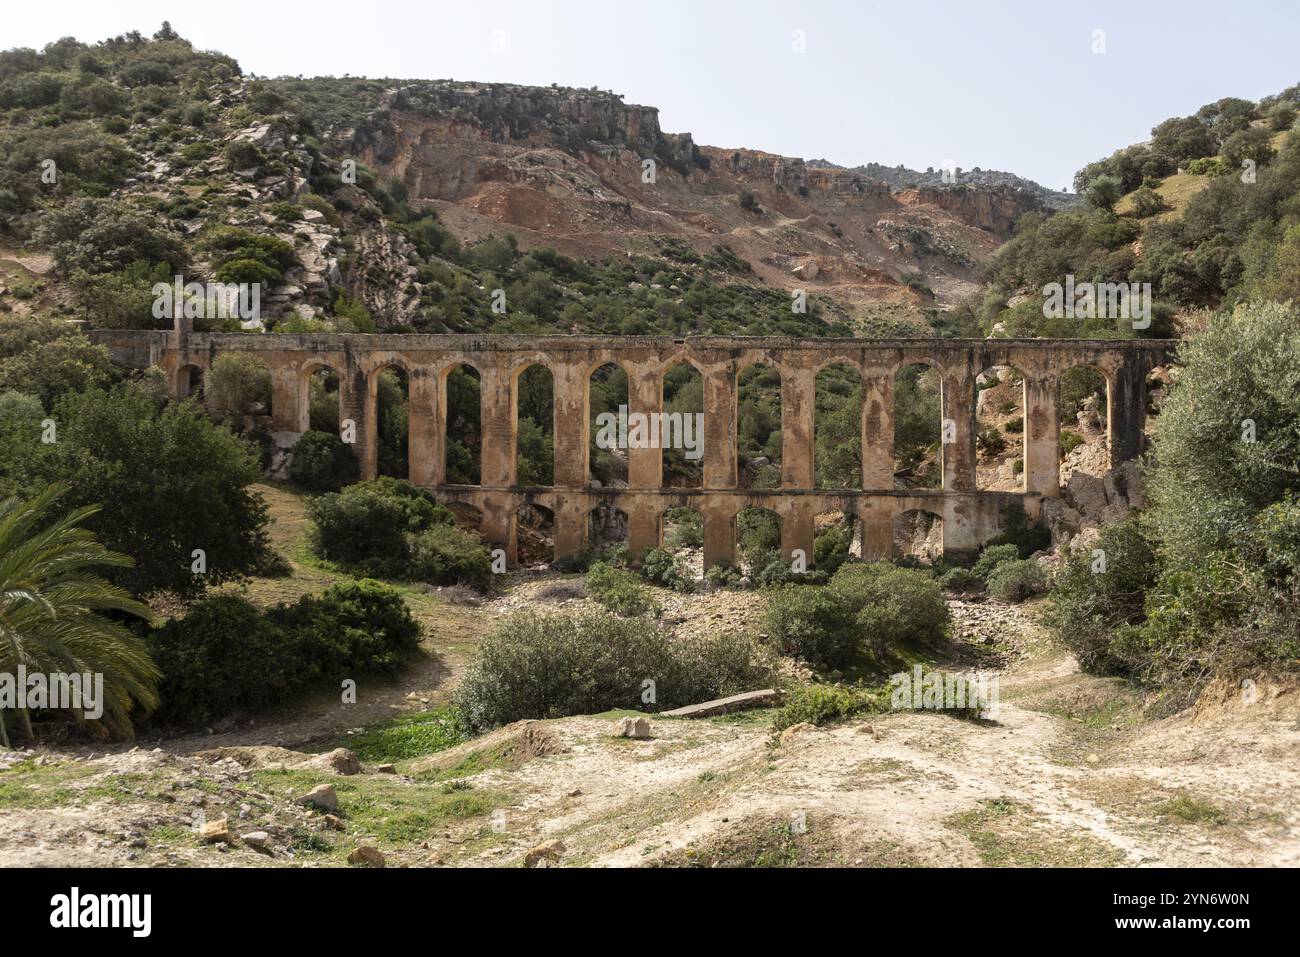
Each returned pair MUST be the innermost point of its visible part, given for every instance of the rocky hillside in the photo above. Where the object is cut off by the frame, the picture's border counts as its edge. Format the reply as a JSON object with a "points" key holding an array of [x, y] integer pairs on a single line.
{"points": [[591, 175]]}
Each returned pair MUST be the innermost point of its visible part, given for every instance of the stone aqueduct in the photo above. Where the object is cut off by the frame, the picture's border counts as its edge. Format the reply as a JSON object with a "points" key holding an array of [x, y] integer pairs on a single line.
{"points": [[969, 516]]}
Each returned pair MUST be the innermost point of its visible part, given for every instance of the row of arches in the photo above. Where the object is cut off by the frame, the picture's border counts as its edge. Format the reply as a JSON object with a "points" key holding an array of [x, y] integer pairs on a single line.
{"points": [[238, 388], [757, 531]]}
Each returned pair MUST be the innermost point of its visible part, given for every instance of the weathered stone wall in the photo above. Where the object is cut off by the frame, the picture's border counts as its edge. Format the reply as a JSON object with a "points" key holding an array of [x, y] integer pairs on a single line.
{"points": [[970, 517]]}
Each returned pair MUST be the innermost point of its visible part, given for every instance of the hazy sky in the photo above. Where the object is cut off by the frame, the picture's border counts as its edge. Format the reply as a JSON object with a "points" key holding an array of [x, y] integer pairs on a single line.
{"points": [[1001, 85]]}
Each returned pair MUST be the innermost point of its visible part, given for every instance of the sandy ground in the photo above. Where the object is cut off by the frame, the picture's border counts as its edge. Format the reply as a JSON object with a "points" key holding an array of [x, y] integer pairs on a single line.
{"points": [[1068, 771]]}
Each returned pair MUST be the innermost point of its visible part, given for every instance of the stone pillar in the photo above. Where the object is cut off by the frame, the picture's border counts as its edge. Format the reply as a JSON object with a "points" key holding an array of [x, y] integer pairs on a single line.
{"points": [[287, 399], [498, 523], [356, 406], [644, 527], [424, 448], [797, 530], [569, 385], [1126, 412], [719, 534], [877, 518], [645, 466], [958, 431], [719, 439], [960, 524], [497, 422], [570, 530], [1042, 436], [878, 433], [798, 407]]}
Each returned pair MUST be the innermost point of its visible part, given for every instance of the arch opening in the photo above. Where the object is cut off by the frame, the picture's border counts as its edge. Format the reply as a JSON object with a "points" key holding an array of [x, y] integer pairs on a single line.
{"points": [[606, 396], [918, 420], [682, 429], [758, 426], [393, 421], [759, 533], [918, 534], [1083, 401], [534, 413], [837, 427], [534, 536], [1000, 430], [462, 425]]}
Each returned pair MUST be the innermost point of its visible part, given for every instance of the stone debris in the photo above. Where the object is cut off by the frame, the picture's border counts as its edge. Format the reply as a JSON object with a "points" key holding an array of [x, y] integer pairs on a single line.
{"points": [[366, 857], [216, 832], [638, 728], [545, 854], [321, 796]]}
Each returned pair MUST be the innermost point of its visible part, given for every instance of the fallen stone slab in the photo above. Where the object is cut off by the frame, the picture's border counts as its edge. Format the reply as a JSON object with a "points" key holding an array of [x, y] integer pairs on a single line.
{"points": [[766, 698]]}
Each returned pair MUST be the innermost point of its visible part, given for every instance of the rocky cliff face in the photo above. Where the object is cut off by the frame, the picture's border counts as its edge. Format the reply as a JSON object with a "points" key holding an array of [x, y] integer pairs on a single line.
{"points": [[593, 176]]}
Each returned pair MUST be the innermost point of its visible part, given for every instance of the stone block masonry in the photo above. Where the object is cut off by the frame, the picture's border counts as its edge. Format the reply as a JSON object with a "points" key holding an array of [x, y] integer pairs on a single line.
{"points": [[970, 517]]}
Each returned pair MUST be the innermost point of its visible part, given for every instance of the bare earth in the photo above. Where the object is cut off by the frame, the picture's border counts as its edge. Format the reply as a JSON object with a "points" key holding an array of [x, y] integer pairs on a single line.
{"points": [[1069, 772]]}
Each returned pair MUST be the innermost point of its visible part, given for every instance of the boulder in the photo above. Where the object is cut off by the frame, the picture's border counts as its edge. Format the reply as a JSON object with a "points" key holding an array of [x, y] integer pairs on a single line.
{"points": [[737, 702], [216, 832], [1087, 495], [321, 796], [258, 841], [366, 857], [792, 732], [545, 854], [638, 728]]}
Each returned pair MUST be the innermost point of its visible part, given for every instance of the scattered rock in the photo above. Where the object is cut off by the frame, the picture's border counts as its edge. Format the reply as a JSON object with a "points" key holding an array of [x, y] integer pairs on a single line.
{"points": [[216, 832], [321, 796], [366, 856], [386, 769], [638, 728], [258, 840], [341, 760], [545, 854], [334, 821], [792, 732]]}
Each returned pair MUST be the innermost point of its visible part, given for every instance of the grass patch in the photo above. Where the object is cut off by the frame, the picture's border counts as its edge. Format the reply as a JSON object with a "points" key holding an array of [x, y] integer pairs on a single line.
{"points": [[31, 785], [410, 736], [762, 842], [1006, 833], [1188, 809], [388, 812]]}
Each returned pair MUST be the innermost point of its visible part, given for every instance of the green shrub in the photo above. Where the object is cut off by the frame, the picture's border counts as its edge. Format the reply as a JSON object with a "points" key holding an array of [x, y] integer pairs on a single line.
{"points": [[660, 566], [1017, 530], [223, 656], [1070, 441], [619, 591], [1017, 580], [831, 548], [892, 605], [447, 555], [961, 581], [322, 462], [723, 574], [1089, 601], [821, 704], [993, 556], [352, 627], [367, 525], [814, 624], [553, 666]]}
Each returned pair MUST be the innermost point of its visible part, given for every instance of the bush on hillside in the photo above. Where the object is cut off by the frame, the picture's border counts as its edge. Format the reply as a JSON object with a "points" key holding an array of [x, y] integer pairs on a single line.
{"points": [[322, 462], [447, 555], [993, 556], [620, 591], [225, 655], [814, 624], [892, 605], [1017, 580]]}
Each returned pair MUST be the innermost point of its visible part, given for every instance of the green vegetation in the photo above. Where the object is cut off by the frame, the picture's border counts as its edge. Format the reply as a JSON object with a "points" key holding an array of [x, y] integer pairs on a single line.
{"points": [[55, 615], [389, 528], [552, 666], [226, 655], [620, 591]]}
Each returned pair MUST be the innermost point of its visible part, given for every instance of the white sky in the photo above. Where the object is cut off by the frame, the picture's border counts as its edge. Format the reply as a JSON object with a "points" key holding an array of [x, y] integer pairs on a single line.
{"points": [[1003, 85]]}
